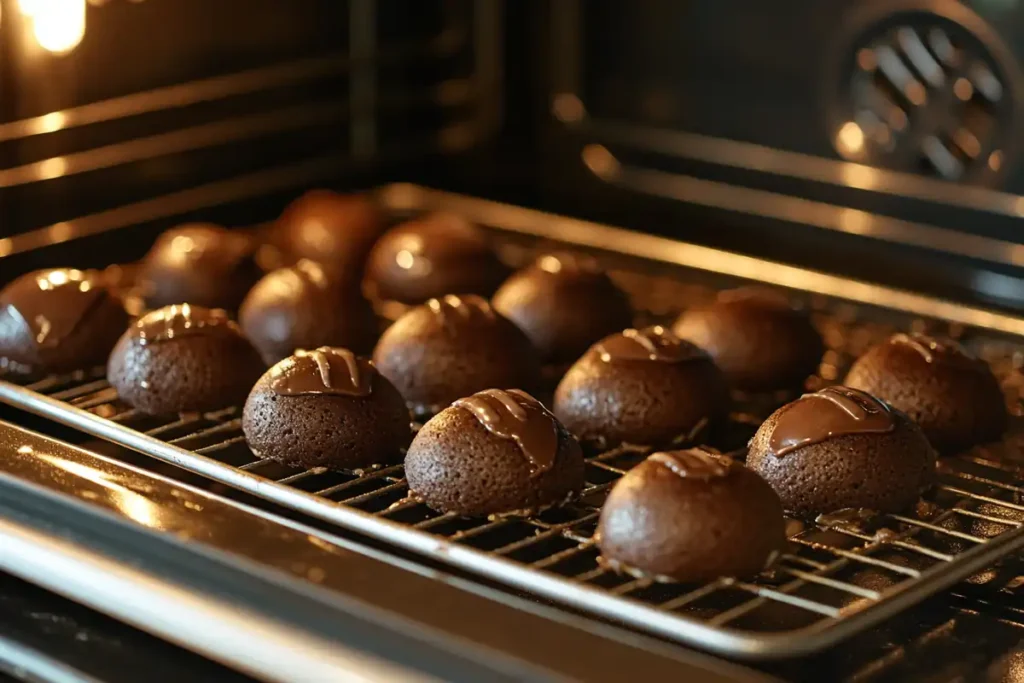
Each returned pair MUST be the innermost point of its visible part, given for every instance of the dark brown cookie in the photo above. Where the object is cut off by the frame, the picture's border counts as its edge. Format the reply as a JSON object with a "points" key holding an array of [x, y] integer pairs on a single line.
{"points": [[183, 358], [303, 307], [494, 452], [692, 516], [330, 228], [950, 394], [56, 321], [758, 340], [433, 256], [643, 387], [563, 303], [452, 347], [199, 264], [326, 408], [841, 448]]}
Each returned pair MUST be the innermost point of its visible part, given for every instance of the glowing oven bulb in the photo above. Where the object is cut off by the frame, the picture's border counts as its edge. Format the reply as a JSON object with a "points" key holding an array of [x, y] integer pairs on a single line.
{"points": [[58, 25]]}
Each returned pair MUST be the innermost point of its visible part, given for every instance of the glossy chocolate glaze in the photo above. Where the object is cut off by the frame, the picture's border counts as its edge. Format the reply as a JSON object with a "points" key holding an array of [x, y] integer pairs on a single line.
{"points": [[567, 263], [174, 322], [201, 245], [324, 370], [939, 352], [53, 303], [651, 343], [516, 415], [695, 463], [450, 309], [833, 411]]}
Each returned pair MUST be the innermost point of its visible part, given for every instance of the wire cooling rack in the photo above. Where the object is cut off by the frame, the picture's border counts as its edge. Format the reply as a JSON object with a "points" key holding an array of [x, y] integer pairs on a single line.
{"points": [[839, 576]]}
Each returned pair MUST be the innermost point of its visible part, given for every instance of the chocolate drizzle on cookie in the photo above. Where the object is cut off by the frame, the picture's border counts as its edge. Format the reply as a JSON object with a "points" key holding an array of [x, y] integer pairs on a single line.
{"points": [[940, 352], [695, 463], [174, 322], [651, 344], [325, 370], [53, 303], [516, 415], [833, 411]]}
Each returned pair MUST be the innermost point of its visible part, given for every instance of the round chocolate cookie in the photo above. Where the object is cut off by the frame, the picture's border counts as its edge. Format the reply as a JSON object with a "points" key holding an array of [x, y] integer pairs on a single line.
{"points": [[494, 452], [758, 340], [183, 358], [432, 256], [326, 408], [563, 303], [841, 448], [302, 307], [452, 347], [200, 264], [334, 229], [643, 387], [692, 516], [56, 321], [950, 394]]}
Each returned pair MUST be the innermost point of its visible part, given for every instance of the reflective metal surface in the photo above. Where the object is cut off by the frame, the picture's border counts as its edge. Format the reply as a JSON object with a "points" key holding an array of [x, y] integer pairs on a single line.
{"points": [[274, 598]]}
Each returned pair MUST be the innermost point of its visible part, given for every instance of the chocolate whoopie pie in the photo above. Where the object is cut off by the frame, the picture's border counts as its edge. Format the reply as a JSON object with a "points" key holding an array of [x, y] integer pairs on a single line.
{"points": [[842, 448], [691, 515], [333, 229], [201, 264], [563, 303], [183, 358], [494, 452], [303, 307], [57, 320], [643, 387], [758, 340], [950, 394], [452, 347], [326, 408], [432, 256]]}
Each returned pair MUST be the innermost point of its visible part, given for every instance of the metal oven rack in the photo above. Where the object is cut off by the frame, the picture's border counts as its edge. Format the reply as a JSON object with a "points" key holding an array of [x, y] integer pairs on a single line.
{"points": [[838, 579]]}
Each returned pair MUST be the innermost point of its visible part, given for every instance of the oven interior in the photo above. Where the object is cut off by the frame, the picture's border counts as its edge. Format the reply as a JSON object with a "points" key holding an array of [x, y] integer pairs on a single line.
{"points": [[112, 140]]}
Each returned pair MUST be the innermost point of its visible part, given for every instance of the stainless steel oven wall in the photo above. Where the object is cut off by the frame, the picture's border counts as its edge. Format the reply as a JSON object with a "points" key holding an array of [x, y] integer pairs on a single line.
{"points": [[106, 107], [887, 127]]}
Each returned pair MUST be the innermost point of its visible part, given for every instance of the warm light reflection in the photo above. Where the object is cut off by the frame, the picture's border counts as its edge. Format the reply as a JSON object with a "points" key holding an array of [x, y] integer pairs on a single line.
{"points": [[50, 123], [58, 25], [52, 168], [850, 139], [135, 505]]}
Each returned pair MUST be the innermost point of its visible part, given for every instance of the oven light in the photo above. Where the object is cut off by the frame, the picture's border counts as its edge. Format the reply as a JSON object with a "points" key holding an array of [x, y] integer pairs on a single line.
{"points": [[58, 25], [850, 139]]}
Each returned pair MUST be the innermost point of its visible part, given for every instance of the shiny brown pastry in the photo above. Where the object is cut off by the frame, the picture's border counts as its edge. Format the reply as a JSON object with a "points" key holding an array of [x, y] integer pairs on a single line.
{"points": [[841, 448], [304, 307], [494, 452], [334, 229], [57, 320], [758, 340], [183, 358], [199, 264], [950, 394], [643, 387], [452, 347], [326, 408], [563, 303], [432, 256], [692, 516]]}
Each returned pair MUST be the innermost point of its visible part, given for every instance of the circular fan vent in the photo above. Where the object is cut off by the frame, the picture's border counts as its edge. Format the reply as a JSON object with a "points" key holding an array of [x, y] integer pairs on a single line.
{"points": [[921, 93]]}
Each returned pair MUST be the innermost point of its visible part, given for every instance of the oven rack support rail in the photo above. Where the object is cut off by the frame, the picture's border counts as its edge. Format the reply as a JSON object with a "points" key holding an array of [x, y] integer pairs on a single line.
{"points": [[837, 624]]}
